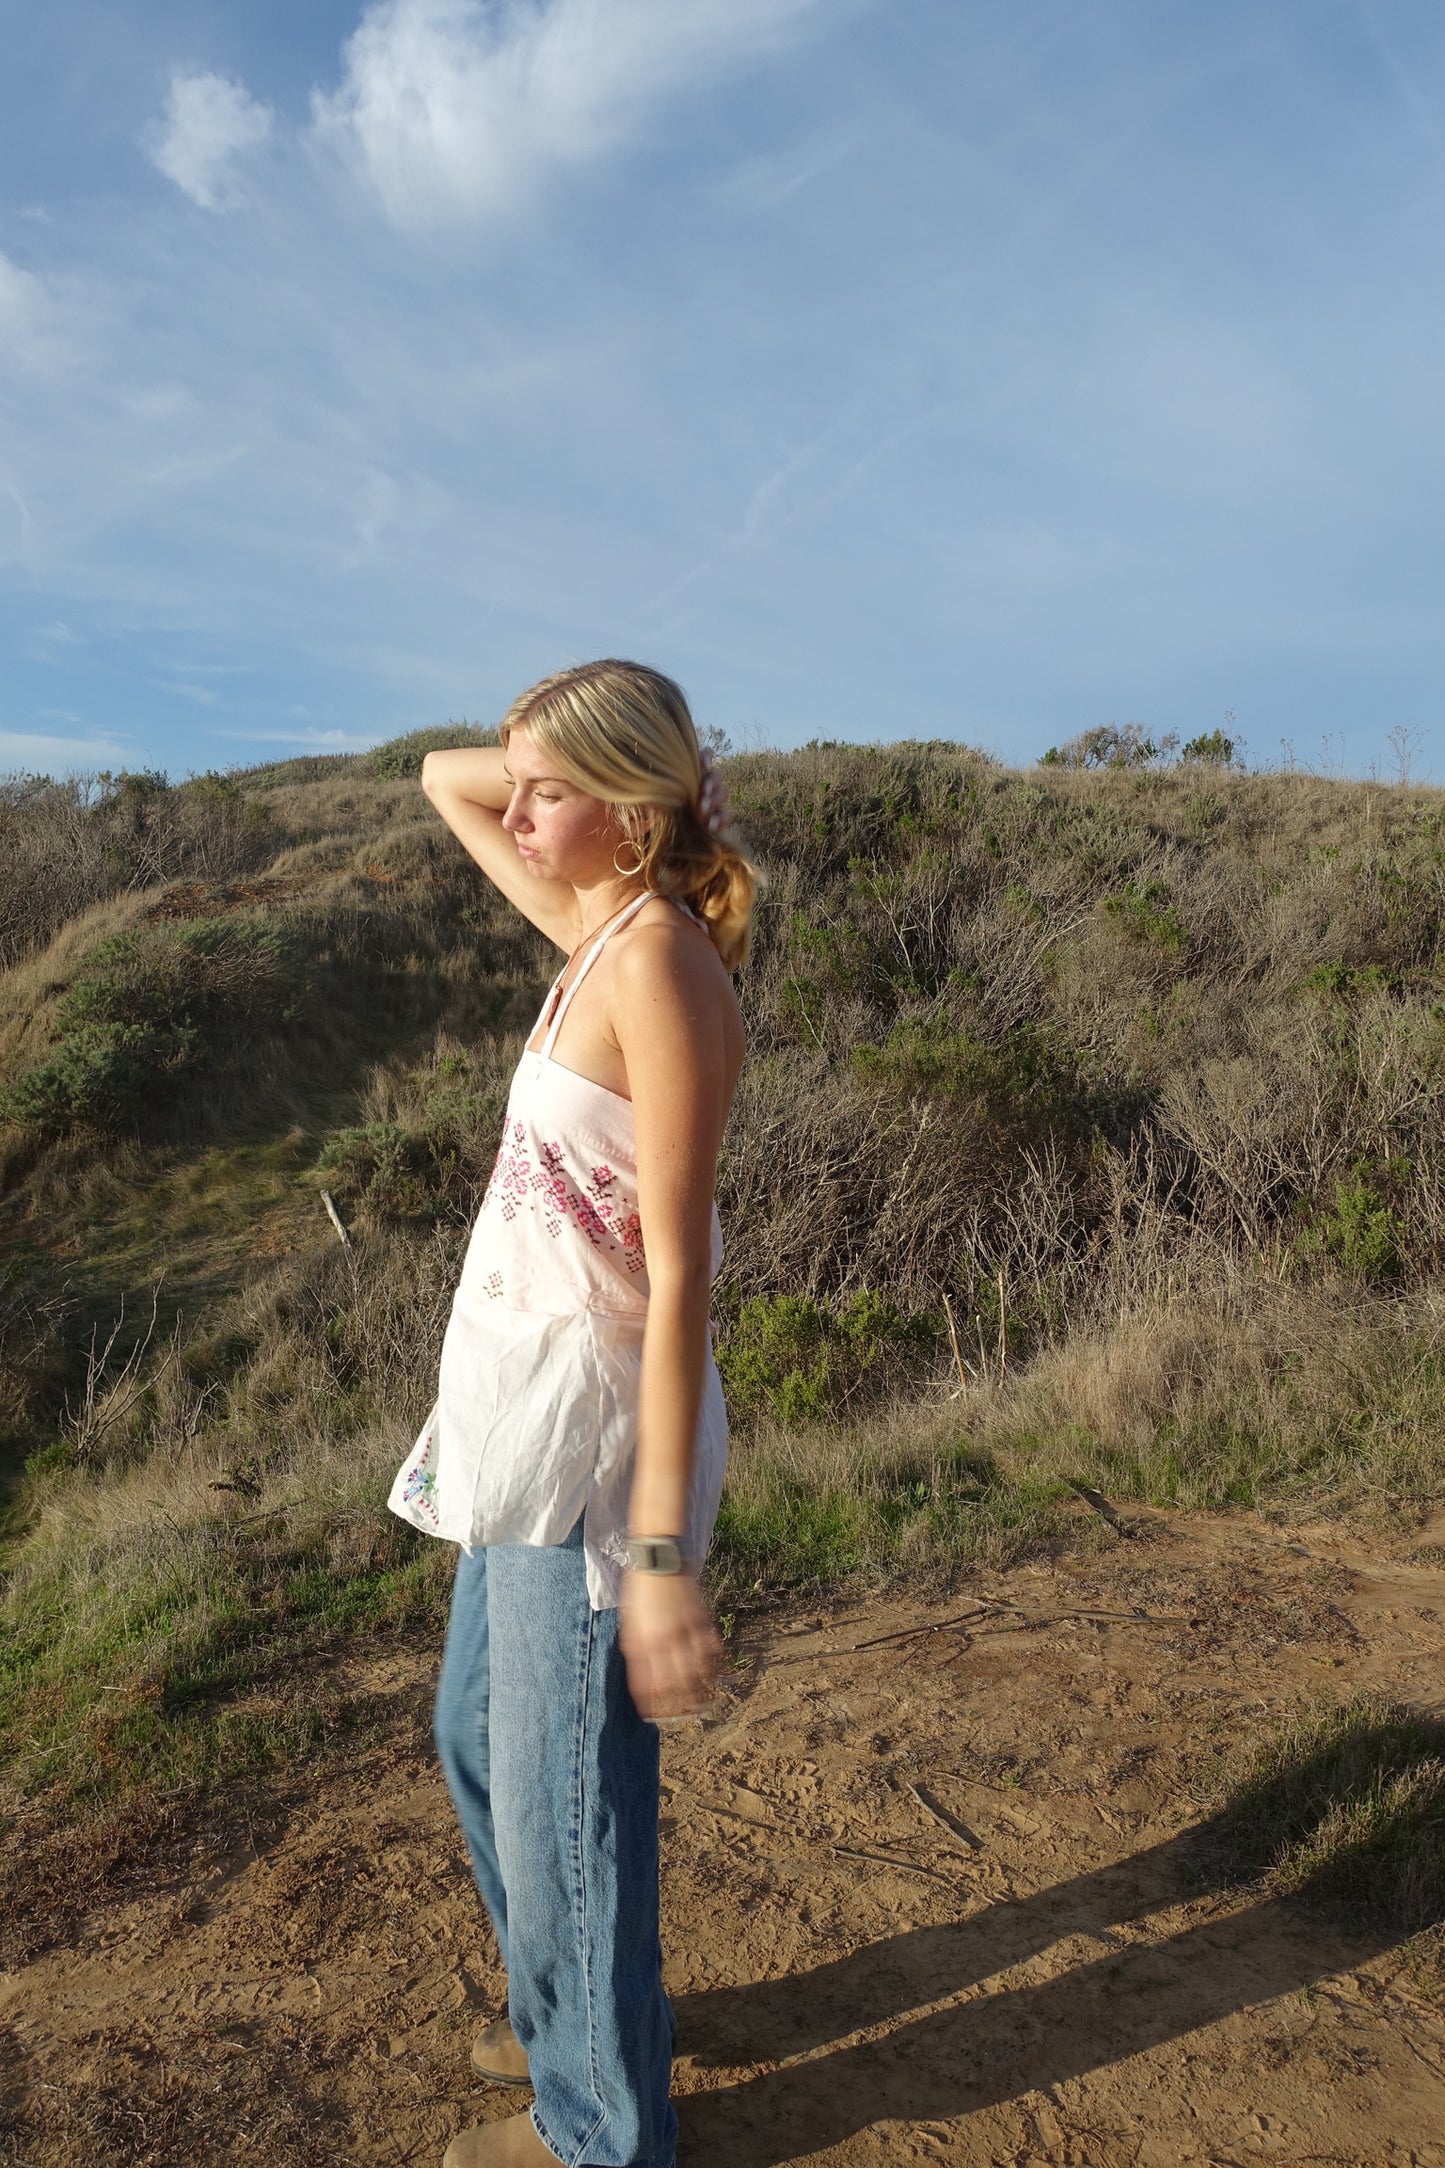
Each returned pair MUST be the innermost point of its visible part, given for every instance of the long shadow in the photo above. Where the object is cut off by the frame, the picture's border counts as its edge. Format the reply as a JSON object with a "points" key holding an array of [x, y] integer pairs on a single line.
{"points": [[955, 2062], [994, 2047], [769, 2019]]}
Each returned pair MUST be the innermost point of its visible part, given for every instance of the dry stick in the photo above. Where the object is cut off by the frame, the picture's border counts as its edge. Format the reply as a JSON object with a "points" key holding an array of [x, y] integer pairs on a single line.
{"points": [[944, 1819], [335, 1218], [982, 1350], [1101, 1506], [953, 1341], [1002, 1331], [851, 1851], [916, 1633], [1029, 1619]]}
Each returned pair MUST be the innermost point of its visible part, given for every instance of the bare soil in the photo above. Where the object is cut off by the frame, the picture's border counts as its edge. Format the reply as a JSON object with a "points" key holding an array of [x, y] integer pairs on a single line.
{"points": [[935, 1890]]}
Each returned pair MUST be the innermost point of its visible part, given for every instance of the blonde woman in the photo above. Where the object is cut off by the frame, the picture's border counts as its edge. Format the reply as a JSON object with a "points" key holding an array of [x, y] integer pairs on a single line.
{"points": [[576, 1448]]}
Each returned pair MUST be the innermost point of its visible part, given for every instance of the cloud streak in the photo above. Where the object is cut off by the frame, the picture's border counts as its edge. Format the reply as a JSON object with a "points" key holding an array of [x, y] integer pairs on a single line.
{"points": [[454, 110], [209, 126], [29, 320]]}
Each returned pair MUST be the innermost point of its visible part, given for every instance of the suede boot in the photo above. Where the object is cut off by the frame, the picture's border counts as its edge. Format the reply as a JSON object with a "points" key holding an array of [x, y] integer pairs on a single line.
{"points": [[512, 2143], [497, 2057]]}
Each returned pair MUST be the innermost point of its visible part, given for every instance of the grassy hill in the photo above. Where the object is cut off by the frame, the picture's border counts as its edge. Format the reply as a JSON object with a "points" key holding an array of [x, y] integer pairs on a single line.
{"points": [[1092, 1134]]}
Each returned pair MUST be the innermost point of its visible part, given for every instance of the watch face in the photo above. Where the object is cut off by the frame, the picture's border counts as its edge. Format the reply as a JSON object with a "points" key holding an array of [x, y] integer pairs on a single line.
{"points": [[654, 1554]]}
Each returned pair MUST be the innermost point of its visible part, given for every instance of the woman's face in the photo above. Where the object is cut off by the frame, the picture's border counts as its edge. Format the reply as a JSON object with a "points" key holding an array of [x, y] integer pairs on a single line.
{"points": [[560, 833]]}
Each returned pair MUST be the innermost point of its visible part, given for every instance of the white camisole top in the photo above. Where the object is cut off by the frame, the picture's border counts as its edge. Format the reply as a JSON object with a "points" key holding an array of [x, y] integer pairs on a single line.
{"points": [[535, 1422]]}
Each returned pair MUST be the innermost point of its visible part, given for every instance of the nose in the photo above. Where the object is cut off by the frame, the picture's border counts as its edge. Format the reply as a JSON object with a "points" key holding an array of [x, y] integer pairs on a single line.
{"points": [[514, 817]]}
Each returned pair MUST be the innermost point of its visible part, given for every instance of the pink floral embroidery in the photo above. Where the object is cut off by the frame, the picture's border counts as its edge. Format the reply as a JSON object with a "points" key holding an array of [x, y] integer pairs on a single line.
{"points": [[596, 1209]]}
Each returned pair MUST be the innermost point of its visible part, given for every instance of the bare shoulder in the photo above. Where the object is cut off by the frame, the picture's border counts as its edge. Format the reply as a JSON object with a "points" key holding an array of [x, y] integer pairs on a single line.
{"points": [[666, 964]]}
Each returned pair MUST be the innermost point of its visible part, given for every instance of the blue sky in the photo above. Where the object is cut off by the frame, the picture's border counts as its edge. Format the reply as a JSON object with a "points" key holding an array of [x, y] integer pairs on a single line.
{"points": [[970, 368]]}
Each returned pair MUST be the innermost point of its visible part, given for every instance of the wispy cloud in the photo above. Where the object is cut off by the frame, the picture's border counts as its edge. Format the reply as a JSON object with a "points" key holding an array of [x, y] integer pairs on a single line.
{"points": [[454, 109], [32, 752], [30, 333], [209, 125], [316, 741]]}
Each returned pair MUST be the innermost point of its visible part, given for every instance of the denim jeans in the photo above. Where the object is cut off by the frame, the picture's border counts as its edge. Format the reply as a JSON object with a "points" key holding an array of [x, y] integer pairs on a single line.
{"points": [[554, 1777]]}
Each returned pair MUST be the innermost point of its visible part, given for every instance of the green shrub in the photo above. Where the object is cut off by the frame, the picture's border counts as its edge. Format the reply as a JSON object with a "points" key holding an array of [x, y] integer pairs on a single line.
{"points": [[801, 1361], [1215, 747], [1361, 1232], [399, 758], [147, 1006], [1143, 911], [1109, 745], [1026, 1085], [431, 1157], [1341, 982]]}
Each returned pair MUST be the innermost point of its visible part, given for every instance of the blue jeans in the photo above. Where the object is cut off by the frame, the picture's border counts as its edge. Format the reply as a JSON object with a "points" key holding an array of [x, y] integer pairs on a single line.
{"points": [[554, 1777]]}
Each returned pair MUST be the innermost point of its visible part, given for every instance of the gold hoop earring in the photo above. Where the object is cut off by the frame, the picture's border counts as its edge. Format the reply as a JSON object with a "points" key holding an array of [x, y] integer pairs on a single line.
{"points": [[627, 871]]}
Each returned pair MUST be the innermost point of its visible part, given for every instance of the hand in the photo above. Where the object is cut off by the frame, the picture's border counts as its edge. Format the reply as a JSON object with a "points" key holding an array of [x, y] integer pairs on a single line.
{"points": [[669, 1642]]}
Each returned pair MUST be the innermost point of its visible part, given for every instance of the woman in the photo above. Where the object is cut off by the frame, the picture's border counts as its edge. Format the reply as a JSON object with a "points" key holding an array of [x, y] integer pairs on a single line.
{"points": [[576, 1449]]}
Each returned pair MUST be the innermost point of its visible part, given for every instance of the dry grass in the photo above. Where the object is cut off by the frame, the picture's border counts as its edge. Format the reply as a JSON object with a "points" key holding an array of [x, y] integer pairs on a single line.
{"points": [[1343, 1802]]}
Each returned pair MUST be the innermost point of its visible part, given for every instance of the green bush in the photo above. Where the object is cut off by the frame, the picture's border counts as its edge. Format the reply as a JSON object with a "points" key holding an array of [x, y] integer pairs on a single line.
{"points": [[1361, 1232], [1108, 745], [1215, 747], [1144, 912], [1026, 1085], [399, 758], [1343, 983], [801, 1361], [431, 1157], [146, 1007]]}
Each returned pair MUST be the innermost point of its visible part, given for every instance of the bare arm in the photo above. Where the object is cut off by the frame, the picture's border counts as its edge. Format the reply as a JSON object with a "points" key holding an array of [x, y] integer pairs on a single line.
{"points": [[670, 1020], [471, 790]]}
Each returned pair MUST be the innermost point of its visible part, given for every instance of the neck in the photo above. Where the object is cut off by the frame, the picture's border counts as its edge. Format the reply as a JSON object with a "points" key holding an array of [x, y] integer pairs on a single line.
{"points": [[600, 900]]}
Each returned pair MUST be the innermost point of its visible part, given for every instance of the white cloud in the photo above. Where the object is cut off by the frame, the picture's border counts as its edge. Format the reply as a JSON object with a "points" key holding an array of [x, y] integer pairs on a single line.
{"points": [[455, 108], [26, 317], [210, 122], [31, 752]]}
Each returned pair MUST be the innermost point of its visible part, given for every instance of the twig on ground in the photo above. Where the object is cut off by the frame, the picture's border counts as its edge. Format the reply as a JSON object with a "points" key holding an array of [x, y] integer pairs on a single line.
{"points": [[916, 1633], [1101, 1506], [853, 1851], [944, 1819], [335, 1218]]}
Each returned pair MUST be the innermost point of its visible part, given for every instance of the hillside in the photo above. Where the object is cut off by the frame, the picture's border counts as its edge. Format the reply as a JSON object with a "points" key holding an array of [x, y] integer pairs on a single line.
{"points": [[1142, 1070]]}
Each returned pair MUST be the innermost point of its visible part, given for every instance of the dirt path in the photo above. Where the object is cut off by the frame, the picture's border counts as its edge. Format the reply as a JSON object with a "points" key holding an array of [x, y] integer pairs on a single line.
{"points": [[926, 1900]]}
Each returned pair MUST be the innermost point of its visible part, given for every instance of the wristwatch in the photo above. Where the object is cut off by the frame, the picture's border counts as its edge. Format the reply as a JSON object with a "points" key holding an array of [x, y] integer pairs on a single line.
{"points": [[654, 1554]]}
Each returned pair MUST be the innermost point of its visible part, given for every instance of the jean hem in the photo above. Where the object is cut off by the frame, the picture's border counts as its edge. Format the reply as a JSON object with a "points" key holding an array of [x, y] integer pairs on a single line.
{"points": [[547, 2140]]}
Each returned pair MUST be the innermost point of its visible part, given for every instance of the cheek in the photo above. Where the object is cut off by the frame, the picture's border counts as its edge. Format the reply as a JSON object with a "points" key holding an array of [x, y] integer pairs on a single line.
{"points": [[575, 824]]}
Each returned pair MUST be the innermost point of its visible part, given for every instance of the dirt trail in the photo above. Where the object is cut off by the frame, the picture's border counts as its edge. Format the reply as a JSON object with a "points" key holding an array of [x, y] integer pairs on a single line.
{"points": [[926, 1900]]}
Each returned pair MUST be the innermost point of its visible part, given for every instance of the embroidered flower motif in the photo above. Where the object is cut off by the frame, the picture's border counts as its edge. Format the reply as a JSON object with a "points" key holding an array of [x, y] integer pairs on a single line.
{"points": [[420, 1487], [597, 1208], [634, 1256]]}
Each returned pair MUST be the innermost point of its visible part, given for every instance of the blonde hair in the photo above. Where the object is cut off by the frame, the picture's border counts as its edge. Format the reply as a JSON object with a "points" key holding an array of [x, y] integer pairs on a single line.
{"points": [[625, 734]]}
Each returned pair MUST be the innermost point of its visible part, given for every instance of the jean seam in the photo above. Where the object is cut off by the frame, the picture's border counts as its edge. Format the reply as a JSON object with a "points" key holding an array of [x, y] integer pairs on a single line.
{"points": [[586, 1649]]}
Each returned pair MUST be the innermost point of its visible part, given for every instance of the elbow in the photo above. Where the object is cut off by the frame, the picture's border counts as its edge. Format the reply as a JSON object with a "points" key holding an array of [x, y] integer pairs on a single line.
{"points": [[429, 777]]}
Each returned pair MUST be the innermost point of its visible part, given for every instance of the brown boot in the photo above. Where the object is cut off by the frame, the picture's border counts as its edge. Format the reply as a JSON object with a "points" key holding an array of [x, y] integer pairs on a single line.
{"points": [[512, 2143], [497, 2057]]}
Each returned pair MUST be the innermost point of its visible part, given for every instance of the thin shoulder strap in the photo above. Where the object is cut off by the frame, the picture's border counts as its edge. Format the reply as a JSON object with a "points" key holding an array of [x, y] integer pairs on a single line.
{"points": [[588, 961]]}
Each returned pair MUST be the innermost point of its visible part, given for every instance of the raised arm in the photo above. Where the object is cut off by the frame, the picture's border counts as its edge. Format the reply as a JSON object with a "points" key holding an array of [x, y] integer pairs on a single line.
{"points": [[471, 789]]}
